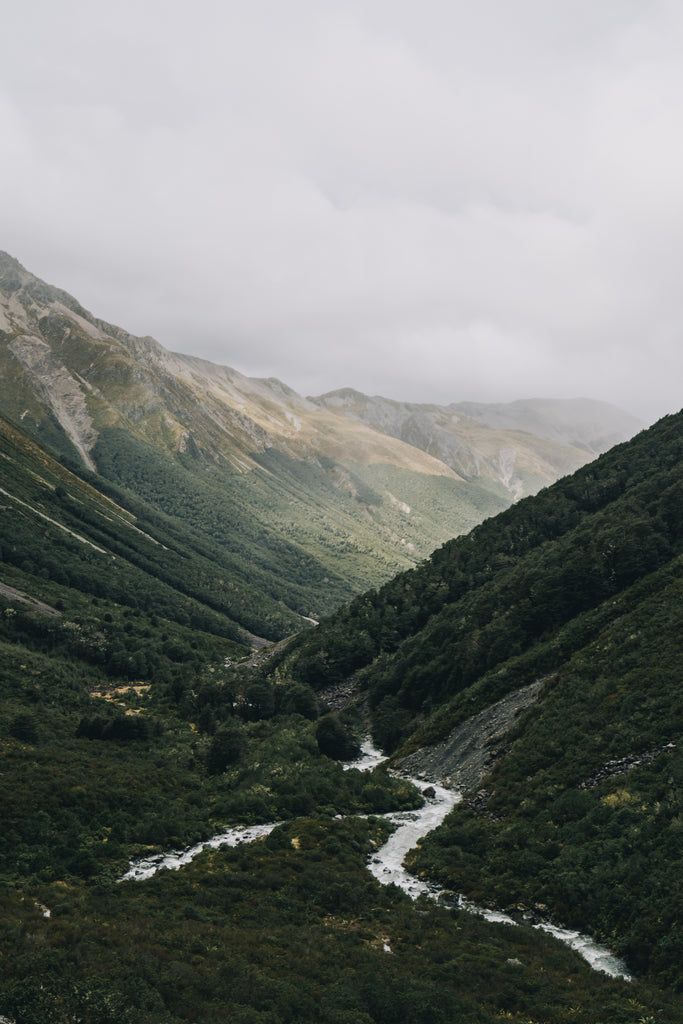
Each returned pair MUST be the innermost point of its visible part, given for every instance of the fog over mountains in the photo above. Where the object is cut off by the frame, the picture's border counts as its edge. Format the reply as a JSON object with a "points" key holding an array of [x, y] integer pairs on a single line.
{"points": [[396, 478]]}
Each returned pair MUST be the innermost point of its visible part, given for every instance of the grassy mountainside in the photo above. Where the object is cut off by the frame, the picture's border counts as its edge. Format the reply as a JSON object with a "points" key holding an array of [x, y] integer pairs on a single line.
{"points": [[523, 445], [580, 584], [60, 529], [310, 553], [310, 504], [251, 465]]}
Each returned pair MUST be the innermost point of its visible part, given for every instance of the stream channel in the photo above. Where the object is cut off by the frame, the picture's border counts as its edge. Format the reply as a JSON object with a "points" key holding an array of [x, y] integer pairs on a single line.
{"points": [[386, 863]]}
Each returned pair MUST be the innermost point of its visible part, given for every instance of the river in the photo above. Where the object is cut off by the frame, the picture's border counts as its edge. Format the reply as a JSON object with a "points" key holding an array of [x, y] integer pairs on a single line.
{"points": [[386, 863]]}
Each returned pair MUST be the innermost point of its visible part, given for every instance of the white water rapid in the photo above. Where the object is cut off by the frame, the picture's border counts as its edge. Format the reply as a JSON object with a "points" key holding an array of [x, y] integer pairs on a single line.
{"points": [[386, 864], [145, 867]]}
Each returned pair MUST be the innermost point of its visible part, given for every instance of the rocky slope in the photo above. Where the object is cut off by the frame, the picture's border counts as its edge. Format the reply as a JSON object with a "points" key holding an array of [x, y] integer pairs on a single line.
{"points": [[514, 447], [472, 748]]}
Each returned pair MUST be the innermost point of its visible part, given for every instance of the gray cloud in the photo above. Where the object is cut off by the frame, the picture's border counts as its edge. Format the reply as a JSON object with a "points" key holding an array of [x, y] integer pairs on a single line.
{"points": [[435, 202]]}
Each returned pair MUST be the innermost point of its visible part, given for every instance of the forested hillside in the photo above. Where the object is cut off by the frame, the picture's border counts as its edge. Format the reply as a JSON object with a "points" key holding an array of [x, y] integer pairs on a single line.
{"points": [[132, 720], [510, 587], [62, 527], [293, 499], [580, 586]]}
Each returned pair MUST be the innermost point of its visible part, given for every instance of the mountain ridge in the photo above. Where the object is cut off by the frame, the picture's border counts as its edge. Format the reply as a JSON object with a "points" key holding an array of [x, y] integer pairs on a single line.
{"points": [[251, 462], [261, 399], [503, 451], [580, 422]]}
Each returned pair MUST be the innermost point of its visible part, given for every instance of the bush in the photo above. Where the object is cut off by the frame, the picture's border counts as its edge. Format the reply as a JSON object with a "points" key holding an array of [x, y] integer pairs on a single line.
{"points": [[23, 727], [335, 740], [226, 748]]}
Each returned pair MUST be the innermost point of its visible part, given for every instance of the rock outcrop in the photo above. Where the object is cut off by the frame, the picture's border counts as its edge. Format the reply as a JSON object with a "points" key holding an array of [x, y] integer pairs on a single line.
{"points": [[469, 753]]}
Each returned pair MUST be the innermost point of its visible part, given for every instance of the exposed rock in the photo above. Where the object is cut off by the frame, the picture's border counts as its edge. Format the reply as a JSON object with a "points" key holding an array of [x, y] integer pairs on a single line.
{"points": [[462, 761], [11, 594], [339, 696], [61, 391], [262, 650], [620, 765]]}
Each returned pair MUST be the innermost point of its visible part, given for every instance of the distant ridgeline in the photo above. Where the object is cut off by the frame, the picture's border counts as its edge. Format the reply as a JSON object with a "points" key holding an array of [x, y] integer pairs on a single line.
{"points": [[298, 503], [580, 584]]}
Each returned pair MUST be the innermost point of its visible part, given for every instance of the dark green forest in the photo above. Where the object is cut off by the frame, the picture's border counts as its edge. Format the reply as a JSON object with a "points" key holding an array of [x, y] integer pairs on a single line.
{"points": [[580, 585], [509, 587], [134, 718]]}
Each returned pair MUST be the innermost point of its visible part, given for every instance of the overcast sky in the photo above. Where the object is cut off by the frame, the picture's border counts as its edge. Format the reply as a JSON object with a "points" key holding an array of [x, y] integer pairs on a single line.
{"points": [[434, 201]]}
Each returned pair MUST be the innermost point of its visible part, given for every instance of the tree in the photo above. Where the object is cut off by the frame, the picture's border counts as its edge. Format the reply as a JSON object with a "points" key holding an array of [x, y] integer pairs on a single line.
{"points": [[226, 748], [334, 739], [299, 699], [23, 727]]}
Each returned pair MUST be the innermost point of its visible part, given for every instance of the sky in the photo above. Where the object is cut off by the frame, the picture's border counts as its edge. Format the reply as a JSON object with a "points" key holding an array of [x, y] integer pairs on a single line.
{"points": [[434, 201]]}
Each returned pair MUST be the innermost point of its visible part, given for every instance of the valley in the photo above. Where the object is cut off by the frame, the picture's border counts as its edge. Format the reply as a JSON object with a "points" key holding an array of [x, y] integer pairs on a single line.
{"points": [[505, 625], [306, 501]]}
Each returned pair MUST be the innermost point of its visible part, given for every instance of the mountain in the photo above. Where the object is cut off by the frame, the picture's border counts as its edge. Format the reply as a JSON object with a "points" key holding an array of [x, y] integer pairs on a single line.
{"points": [[65, 540], [571, 602], [303, 500], [579, 422], [131, 724], [522, 447], [134, 719]]}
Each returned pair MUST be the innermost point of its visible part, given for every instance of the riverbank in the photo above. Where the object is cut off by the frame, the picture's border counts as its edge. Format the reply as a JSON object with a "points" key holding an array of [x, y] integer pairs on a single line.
{"points": [[386, 863]]}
